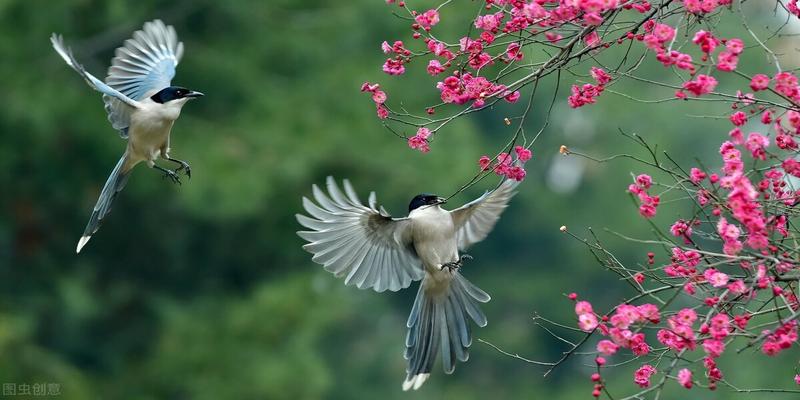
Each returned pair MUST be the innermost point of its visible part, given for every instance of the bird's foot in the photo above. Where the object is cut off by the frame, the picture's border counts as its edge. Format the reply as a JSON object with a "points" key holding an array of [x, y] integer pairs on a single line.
{"points": [[172, 175], [452, 266], [182, 166], [455, 265]]}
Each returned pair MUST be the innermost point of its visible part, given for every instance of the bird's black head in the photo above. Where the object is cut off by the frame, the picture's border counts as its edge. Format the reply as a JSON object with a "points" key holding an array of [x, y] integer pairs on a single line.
{"points": [[174, 93], [425, 199]]}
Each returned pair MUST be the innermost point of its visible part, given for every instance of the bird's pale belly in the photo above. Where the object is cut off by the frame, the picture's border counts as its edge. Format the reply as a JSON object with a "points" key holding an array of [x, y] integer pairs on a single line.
{"points": [[439, 244], [437, 252], [434, 253], [149, 138]]}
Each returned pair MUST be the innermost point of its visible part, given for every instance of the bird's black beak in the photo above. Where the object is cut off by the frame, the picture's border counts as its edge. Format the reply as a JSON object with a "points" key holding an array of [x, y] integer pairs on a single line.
{"points": [[441, 200], [194, 94]]}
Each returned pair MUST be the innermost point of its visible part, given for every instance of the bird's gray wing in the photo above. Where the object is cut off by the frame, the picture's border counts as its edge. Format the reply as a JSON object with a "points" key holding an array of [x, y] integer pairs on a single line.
{"points": [[96, 84], [144, 65], [473, 221], [363, 244]]}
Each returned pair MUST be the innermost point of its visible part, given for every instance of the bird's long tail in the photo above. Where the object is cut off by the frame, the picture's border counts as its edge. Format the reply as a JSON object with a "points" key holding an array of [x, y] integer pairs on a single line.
{"points": [[438, 320], [114, 184]]}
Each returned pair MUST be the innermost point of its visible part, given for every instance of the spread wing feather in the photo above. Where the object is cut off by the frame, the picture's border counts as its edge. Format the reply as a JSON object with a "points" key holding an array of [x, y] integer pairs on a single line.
{"points": [[474, 220], [96, 84], [362, 244], [144, 65]]}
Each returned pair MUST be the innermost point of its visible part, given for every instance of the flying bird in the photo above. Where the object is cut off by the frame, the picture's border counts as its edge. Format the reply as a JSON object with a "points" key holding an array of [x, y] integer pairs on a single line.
{"points": [[141, 104], [370, 249]]}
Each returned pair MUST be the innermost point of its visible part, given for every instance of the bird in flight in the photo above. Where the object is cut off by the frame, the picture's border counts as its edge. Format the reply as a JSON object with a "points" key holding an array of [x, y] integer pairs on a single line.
{"points": [[141, 104], [369, 249]]}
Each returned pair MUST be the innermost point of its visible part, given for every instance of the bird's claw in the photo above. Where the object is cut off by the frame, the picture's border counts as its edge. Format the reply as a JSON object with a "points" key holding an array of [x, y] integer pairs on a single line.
{"points": [[452, 266], [173, 176], [455, 265], [184, 166]]}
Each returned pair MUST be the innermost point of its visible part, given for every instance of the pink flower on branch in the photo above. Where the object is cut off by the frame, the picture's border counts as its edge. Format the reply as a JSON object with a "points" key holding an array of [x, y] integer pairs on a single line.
{"points": [[600, 75], [427, 19], [435, 67], [489, 22], [727, 61], [648, 203], [510, 167], [685, 378], [706, 41], [759, 82], [587, 322], [757, 143], [642, 375], [794, 9], [394, 67], [512, 97], [786, 84], [607, 347], [738, 118], [701, 85], [697, 175], [420, 140], [523, 154]]}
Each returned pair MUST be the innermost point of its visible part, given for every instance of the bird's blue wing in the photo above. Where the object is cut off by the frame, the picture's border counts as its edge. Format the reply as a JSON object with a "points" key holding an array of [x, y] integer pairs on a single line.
{"points": [[144, 65], [96, 84]]}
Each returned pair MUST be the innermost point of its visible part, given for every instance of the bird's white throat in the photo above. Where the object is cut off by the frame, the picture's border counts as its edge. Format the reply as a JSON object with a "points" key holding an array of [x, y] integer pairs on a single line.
{"points": [[430, 211]]}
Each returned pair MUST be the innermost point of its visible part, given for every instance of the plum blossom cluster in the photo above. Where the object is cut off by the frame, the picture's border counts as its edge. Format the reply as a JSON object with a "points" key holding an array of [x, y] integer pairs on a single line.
{"points": [[704, 6], [510, 166], [781, 339], [510, 31], [642, 375], [463, 88], [793, 8], [506, 34], [420, 140], [721, 275], [727, 59], [587, 93], [684, 331], [747, 212], [395, 66], [640, 188], [658, 38], [378, 96], [683, 229]]}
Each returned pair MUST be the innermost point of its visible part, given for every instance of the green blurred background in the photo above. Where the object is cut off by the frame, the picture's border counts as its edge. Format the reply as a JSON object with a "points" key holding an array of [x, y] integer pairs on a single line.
{"points": [[203, 292]]}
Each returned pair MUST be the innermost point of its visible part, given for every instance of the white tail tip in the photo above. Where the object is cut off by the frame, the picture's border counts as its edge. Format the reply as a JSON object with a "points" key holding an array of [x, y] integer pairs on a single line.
{"points": [[414, 382], [81, 243]]}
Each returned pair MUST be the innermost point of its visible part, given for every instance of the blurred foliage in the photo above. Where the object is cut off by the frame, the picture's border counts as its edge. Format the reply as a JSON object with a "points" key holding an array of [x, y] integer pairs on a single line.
{"points": [[203, 292]]}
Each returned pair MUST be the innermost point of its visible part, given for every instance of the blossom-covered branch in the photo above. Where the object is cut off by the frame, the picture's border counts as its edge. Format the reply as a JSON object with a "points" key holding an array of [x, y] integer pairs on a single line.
{"points": [[721, 279]]}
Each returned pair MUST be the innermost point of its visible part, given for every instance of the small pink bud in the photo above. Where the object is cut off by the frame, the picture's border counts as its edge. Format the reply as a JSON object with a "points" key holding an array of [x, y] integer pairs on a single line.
{"points": [[572, 296], [600, 361]]}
